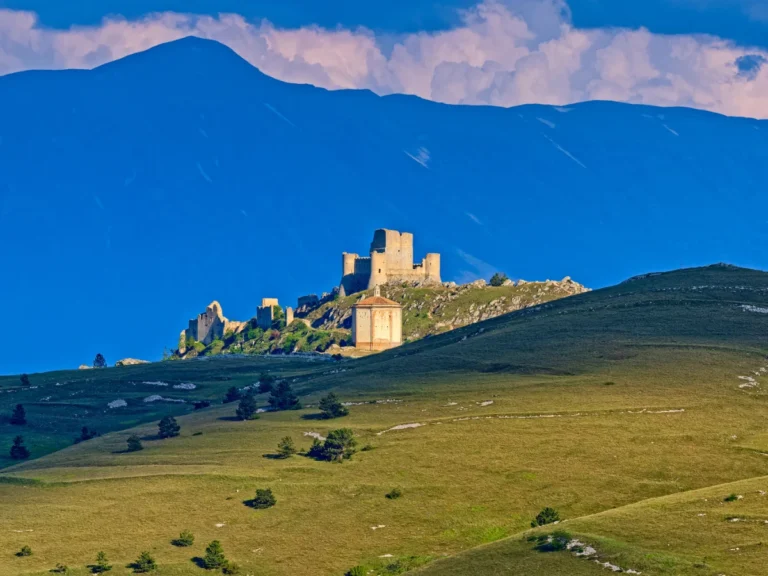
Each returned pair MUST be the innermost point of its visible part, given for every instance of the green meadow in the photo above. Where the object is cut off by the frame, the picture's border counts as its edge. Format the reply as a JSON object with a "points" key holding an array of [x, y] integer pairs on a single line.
{"points": [[634, 411]]}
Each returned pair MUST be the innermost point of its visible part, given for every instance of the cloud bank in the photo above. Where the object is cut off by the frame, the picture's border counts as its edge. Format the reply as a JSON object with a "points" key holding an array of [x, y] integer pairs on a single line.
{"points": [[504, 53]]}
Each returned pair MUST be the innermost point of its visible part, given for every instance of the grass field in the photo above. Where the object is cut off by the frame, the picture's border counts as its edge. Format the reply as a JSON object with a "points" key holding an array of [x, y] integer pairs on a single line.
{"points": [[625, 409]]}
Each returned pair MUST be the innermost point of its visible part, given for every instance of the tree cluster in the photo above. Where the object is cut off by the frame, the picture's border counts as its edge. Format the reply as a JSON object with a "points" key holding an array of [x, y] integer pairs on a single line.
{"points": [[337, 447], [168, 427]]}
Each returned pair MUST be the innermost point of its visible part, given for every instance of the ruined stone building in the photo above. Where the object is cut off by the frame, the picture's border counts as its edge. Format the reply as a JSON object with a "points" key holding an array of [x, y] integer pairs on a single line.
{"points": [[210, 325], [266, 313], [377, 323], [390, 260]]}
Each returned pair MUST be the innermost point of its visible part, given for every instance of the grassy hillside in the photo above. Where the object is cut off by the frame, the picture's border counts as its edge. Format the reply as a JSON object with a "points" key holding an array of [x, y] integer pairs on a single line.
{"points": [[427, 311], [614, 407]]}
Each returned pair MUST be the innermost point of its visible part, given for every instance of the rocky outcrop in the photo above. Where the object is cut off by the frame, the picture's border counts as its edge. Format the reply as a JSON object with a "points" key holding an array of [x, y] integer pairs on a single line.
{"points": [[429, 310], [130, 362]]}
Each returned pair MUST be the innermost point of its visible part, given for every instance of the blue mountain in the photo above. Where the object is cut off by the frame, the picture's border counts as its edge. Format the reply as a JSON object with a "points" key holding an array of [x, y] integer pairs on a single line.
{"points": [[133, 194]]}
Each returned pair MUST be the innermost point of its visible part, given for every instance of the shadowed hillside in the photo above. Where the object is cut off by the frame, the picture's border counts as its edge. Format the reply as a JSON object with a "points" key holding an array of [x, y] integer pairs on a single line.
{"points": [[633, 411], [135, 193]]}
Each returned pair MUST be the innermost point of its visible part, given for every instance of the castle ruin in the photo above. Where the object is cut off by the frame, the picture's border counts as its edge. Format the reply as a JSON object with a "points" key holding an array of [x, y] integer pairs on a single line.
{"points": [[210, 325], [266, 313], [390, 260]]}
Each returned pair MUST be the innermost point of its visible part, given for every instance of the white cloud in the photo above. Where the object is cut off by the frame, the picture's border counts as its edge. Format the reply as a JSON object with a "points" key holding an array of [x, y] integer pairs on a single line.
{"points": [[504, 53]]}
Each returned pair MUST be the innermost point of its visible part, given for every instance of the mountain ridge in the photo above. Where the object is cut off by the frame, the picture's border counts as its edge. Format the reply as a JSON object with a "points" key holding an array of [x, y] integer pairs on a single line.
{"points": [[160, 183]]}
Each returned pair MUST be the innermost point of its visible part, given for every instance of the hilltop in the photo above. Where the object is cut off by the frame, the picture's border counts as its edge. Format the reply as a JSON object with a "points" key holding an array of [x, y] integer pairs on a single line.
{"points": [[183, 172], [428, 310], [634, 411]]}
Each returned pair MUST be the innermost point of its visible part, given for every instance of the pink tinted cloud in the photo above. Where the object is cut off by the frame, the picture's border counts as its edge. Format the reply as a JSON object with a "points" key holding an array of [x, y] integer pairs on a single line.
{"points": [[503, 53]]}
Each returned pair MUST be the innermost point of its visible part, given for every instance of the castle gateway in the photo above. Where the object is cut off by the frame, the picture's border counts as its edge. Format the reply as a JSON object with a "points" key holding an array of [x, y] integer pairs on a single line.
{"points": [[391, 260]]}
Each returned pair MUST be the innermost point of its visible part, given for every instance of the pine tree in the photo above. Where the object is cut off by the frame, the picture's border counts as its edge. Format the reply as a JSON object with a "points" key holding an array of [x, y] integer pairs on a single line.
{"points": [[186, 538], [144, 563], [266, 383], [498, 279], [331, 406], [101, 565], [99, 361], [232, 395], [168, 427], [25, 551], [134, 443], [246, 410], [264, 499], [19, 416], [286, 447], [214, 556], [85, 434], [18, 450], [339, 445], [24, 380], [283, 398]]}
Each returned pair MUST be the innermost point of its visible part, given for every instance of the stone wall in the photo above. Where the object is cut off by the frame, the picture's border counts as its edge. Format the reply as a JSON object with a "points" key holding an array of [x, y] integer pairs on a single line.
{"points": [[210, 325]]}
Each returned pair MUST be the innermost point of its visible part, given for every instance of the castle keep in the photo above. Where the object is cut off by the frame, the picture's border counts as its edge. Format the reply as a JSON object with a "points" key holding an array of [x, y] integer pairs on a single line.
{"points": [[390, 260]]}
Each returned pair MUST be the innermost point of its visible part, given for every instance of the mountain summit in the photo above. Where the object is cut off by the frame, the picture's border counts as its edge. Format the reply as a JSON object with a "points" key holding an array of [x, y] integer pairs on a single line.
{"points": [[134, 193]]}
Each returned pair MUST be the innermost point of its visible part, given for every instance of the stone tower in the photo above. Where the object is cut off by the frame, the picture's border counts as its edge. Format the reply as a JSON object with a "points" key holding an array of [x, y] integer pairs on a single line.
{"points": [[390, 260]]}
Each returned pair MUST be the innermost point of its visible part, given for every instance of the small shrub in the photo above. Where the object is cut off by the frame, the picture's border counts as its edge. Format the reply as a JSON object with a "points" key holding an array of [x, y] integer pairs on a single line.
{"points": [[186, 538], [498, 279], [168, 427], [366, 448], [232, 395], [85, 434], [197, 434], [214, 558], [200, 404], [99, 361], [231, 569], [546, 516], [101, 565], [331, 407], [18, 450], [286, 448], [19, 416], [134, 443], [247, 408], [144, 563], [357, 571], [263, 499], [61, 569], [394, 494], [609, 383], [24, 380], [731, 498], [25, 551]]}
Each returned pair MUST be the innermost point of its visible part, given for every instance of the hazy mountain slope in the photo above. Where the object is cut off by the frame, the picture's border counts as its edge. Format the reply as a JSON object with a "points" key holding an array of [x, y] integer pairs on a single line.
{"points": [[133, 194]]}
